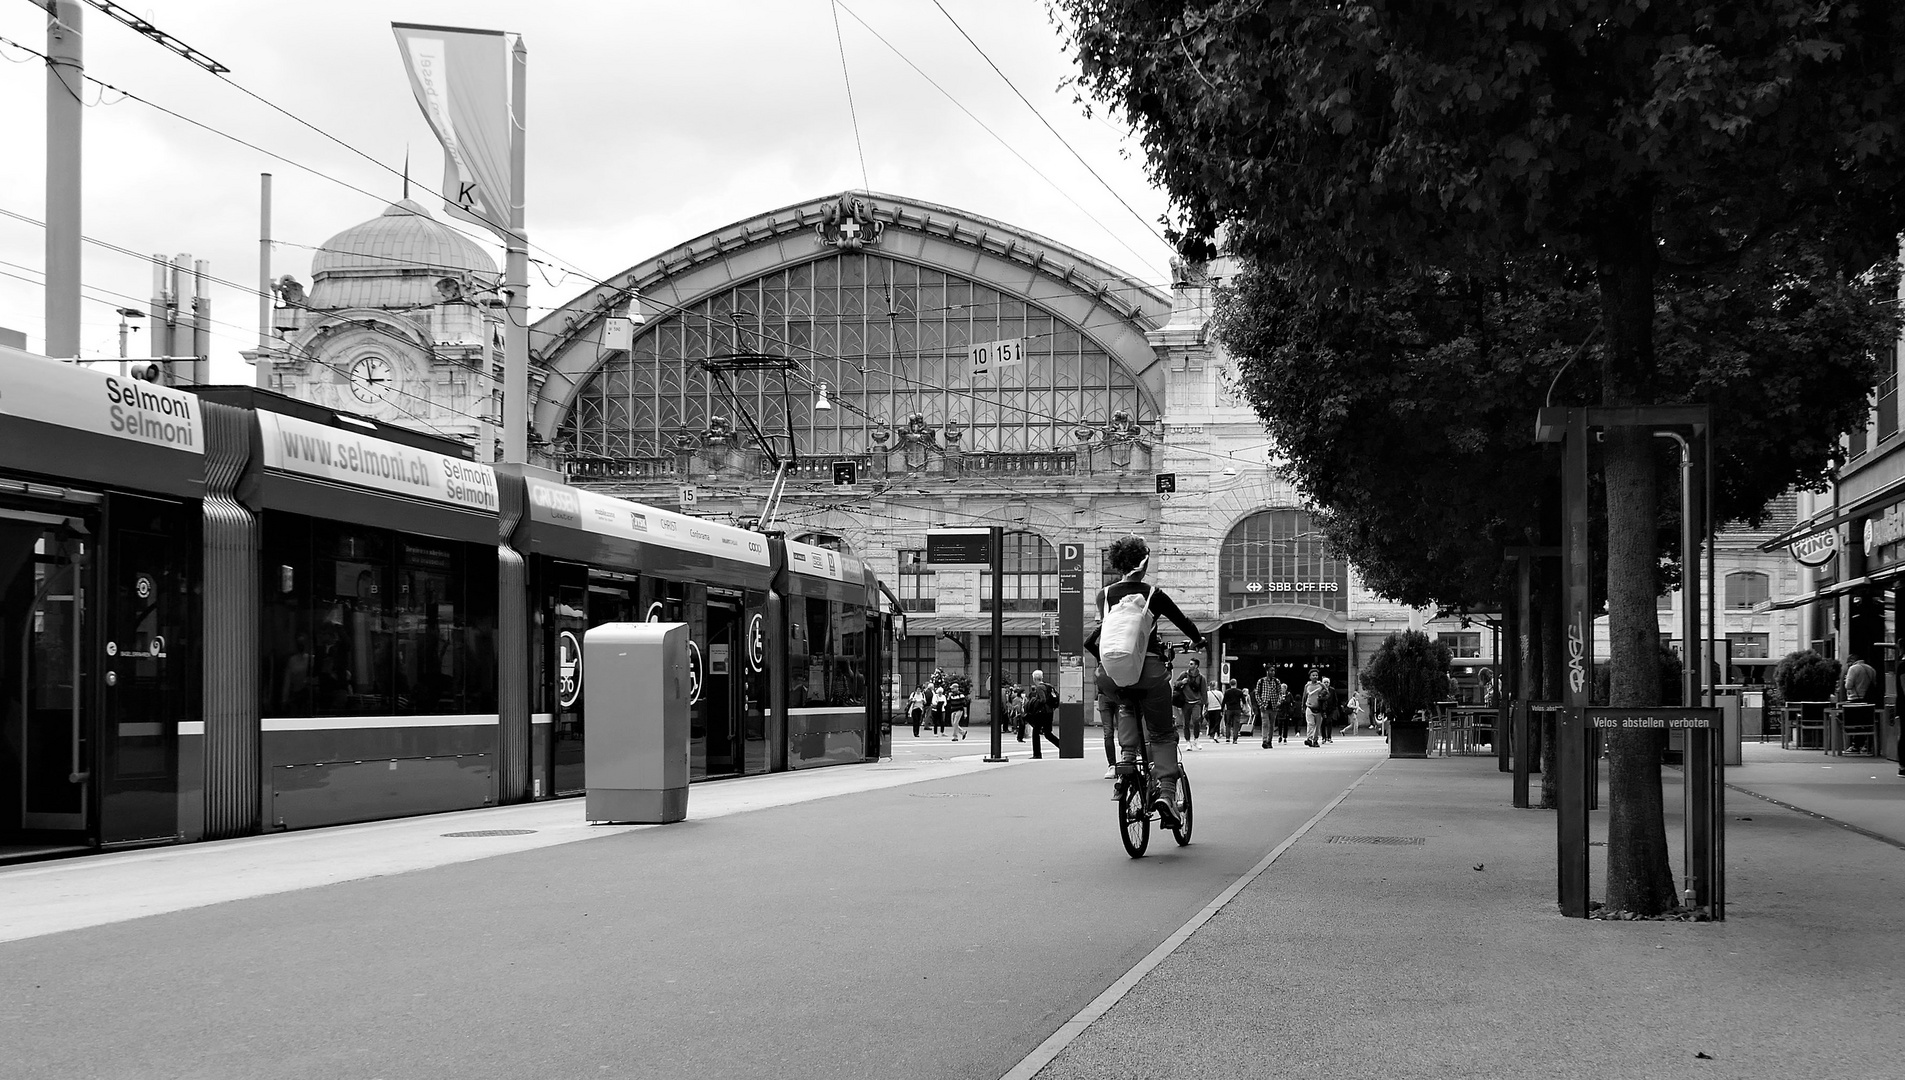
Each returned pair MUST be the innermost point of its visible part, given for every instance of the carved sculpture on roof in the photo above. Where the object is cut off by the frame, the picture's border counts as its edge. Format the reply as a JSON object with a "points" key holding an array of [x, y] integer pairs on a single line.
{"points": [[917, 440], [848, 222], [1188, 273], [290, 292], [720, 432], [880, 433]]}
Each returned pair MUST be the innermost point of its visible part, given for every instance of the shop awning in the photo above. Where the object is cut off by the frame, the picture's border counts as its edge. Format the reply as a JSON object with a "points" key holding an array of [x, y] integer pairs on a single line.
{"points": [[1824, 592], [1839, 515]]}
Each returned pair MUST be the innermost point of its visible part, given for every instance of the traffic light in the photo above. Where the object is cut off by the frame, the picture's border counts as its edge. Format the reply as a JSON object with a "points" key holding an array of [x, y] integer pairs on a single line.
{"points": [[1167, 483], [844, 473]]}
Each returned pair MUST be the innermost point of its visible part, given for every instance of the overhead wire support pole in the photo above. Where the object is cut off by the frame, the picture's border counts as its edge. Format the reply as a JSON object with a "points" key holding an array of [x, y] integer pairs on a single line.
{"points": [[516, 270], [65, 79]]}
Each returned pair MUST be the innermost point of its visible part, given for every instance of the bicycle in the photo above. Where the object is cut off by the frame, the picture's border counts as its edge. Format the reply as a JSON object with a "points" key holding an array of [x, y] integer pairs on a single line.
{"points": [[1137, 791]]}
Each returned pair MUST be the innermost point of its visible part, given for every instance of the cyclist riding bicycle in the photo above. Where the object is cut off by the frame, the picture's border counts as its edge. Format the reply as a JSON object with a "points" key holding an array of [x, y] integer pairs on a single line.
{"points": [[1142, 707]]}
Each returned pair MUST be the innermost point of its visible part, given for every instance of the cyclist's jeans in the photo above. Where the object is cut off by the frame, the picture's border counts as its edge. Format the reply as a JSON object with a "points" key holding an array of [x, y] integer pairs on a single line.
{"points": [[1149, 702]]}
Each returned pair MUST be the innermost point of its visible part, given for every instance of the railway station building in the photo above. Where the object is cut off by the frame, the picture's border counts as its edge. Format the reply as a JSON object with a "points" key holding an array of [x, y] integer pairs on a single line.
{"points": [[843, 329]]}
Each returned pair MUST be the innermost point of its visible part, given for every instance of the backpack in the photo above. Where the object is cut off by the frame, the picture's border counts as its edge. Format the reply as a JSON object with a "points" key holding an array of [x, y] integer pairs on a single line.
{"points": [[1040, 700], [1125, 636]]}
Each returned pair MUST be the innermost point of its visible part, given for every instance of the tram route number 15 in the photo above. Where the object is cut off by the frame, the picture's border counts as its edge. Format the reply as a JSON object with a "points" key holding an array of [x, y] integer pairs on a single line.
{"points": [[996, 354]]}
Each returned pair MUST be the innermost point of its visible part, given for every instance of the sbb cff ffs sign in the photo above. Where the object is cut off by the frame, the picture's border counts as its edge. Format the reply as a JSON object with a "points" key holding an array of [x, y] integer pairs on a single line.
{"points": [[959, 547]]}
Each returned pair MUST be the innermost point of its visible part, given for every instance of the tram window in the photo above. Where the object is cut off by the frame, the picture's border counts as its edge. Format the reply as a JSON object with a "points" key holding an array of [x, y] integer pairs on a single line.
{"points": [[834, 644], [428, 659], [363, 623]]}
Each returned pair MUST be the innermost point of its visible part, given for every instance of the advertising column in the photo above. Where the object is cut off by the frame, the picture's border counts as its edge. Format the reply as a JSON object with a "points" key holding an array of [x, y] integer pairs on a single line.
{"points": [[1071, 650]]}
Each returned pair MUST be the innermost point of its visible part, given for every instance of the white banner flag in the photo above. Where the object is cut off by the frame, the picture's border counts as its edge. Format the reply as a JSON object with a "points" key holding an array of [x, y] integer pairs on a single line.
{"points": [[461, 79]]}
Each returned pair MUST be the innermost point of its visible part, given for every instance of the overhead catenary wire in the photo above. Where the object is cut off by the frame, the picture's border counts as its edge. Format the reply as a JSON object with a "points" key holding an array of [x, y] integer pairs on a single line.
{"points": [[1048, 124], [988, 130]]}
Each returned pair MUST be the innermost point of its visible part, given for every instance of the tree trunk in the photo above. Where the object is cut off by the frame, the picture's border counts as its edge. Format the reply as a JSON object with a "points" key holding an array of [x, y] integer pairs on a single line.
{"points": [[1639, 876]]}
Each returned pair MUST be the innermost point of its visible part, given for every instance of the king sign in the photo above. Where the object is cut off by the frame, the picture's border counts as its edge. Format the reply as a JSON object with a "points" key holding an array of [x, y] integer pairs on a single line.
{"points": [[1817, 549]]}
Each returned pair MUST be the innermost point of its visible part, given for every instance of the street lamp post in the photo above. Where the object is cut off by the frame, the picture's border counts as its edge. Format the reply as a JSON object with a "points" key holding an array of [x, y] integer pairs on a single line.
{"points": [[124, 329]]}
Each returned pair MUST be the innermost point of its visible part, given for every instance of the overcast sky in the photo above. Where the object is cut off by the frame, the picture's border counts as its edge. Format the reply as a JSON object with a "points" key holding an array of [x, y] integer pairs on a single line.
{"points": [[650, 123]]}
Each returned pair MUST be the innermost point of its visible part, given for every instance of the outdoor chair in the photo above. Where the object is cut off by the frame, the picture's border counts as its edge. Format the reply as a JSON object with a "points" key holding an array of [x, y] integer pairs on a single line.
{"points": [[1858, 723], [1802, 722]]}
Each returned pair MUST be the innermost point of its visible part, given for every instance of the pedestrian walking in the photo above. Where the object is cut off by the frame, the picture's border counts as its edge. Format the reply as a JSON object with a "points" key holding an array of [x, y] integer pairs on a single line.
{"points": [[1040, 705], [916, 708], [1015, 709], [1269, 701], [1332, 710], [959, 707], [1213, 710], [938, 706], [1236, 703], [1189, 697], [1315, 700]]}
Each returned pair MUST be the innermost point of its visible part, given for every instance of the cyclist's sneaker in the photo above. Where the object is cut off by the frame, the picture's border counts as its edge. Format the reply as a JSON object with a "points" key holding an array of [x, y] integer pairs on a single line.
{"points": [[1167, 811]]}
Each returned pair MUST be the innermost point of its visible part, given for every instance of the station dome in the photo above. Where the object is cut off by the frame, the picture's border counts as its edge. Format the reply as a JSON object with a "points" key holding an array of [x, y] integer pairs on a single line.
{"points": [[395, 260]]}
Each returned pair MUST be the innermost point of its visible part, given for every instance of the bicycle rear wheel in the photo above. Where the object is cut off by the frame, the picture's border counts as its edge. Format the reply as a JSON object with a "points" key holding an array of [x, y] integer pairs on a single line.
{"points": [[1181, 832], [1134, 818]]}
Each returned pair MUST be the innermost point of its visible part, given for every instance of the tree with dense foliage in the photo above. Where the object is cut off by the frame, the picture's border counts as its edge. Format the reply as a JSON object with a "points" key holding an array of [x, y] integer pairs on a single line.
{"points": [[1675, 168], [1806, 676]]}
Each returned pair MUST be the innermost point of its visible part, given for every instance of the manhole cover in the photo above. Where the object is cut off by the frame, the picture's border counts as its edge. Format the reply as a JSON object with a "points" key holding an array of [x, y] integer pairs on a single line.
{"points": [[949, 795], [492, 832], [1377, 840]]}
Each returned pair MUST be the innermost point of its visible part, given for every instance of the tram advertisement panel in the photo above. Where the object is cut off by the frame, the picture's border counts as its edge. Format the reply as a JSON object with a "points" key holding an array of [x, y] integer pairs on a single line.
{"points": [[299, 446], [70, 396]]}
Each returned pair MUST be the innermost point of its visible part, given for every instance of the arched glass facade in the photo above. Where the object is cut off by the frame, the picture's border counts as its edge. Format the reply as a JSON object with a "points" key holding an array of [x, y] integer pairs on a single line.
{"points": [[889, 338], [1277, 557]]}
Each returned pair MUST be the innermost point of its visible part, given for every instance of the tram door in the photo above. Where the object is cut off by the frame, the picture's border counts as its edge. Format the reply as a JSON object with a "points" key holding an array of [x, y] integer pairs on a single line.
{"points": [[579, 598], [567, 619], [720, 711], [43, 593], [150, 672]]}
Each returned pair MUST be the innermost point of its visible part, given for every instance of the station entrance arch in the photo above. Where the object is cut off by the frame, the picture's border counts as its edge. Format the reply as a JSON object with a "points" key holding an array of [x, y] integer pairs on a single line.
{"points": [[1282, 601], [1288, 646]]}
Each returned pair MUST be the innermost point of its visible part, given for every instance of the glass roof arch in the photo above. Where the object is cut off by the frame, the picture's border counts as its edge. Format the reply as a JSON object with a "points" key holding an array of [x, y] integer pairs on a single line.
{"points": [[881, 299]]}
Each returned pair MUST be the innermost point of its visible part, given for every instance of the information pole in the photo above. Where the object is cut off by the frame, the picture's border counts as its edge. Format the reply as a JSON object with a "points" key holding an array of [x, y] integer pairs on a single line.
{"points": [[998, 644], [1071, 651]]}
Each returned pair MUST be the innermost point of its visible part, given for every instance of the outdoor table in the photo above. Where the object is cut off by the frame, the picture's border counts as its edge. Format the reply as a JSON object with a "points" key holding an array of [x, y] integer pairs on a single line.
{"points": [[1795, 727], [1467, 718]]}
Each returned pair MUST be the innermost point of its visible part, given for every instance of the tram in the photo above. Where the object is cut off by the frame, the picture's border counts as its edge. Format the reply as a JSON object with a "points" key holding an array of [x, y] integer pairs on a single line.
{"points": [[224, 611]]}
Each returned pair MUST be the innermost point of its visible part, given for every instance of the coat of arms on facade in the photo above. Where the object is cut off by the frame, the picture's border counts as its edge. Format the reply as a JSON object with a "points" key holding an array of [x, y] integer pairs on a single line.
{"points": [[848, 222]]}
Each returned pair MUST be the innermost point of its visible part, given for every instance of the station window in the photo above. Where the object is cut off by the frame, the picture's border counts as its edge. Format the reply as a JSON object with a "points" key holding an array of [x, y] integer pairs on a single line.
{"points": [[918, 657], [1748, 646], [918, 584], [1031, 575], [1744, 589], [1463, 644], [1020, 655], [1888, 407]]}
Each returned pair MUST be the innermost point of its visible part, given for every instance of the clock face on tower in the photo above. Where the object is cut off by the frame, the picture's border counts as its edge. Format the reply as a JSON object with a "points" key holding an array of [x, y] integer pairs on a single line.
{"points": [[372, 379]]}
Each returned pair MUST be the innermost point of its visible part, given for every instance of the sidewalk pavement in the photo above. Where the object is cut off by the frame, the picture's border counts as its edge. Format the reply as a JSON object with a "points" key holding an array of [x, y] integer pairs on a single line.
{"points": [[1409, 930], [1412, 931]]}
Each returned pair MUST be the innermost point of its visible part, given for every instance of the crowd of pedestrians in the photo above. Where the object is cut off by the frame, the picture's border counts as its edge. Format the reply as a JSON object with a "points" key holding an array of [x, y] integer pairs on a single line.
{"points": [[1206, 710]]}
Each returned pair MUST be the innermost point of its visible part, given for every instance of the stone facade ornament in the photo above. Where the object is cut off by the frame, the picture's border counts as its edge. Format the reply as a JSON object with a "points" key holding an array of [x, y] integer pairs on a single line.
{"points": [[848, 223], [880, 434]]}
